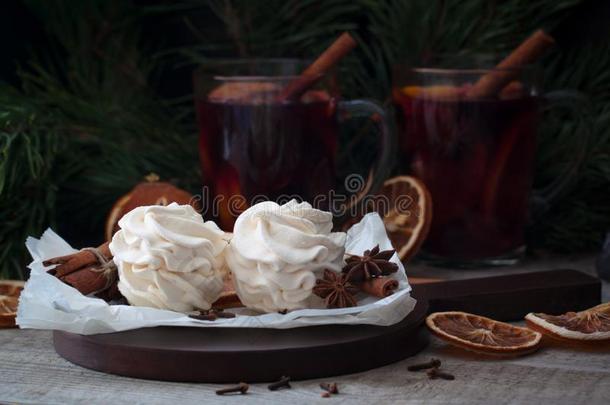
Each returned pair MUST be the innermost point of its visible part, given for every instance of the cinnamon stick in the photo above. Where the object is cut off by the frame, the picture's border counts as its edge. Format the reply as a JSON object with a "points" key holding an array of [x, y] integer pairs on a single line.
{"points": [[76, 261], [492, 82], [111, 293], [89, 280], [228, 300], [228, 297], [379, 287], [497, 168], [310, 76], [88, 272], [512, 90], [423, 280]]}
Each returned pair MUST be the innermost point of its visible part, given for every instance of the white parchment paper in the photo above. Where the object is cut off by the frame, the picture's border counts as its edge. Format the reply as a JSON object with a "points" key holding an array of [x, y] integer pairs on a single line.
{"points": [[47, 303]]}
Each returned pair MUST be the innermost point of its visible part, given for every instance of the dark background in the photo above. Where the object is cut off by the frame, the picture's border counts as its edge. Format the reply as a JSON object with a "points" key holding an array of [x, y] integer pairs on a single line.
{"points": [[94, 95]]}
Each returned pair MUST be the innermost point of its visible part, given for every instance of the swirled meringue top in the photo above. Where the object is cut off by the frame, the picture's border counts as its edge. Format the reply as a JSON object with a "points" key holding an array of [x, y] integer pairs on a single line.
{"points": [[277, 252], [169, 258]]}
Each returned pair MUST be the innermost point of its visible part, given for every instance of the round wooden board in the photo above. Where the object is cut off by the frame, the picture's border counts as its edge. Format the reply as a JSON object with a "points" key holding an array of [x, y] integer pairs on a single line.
{"points": [[229, 355]]}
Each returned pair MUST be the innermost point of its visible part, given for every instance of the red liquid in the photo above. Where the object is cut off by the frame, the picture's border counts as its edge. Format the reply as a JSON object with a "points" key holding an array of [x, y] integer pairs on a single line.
{"points": [[476, 157], [268, 150]]}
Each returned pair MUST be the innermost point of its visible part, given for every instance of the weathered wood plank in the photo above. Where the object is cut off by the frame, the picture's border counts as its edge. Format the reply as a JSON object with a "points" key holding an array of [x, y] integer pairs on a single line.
{"points": [[31, 372]]}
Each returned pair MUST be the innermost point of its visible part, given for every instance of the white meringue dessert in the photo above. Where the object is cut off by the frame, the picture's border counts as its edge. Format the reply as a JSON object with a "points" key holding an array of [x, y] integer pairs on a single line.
{"points": [[169, 258], [277, 252]]}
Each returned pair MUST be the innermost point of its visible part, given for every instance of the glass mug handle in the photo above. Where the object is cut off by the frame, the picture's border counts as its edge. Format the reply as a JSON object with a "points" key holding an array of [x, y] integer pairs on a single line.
{"points": [[385, 159], [576, 104]]}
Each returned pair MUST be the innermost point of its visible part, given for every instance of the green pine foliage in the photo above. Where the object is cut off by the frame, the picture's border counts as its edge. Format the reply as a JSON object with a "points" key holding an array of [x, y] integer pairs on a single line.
{"points": [[84, 128], [87, 123], [29, 147]]}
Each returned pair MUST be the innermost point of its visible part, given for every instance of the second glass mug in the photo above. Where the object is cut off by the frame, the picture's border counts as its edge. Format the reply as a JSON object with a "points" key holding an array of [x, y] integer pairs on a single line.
{"points": [[256, 146], [476, 155]]}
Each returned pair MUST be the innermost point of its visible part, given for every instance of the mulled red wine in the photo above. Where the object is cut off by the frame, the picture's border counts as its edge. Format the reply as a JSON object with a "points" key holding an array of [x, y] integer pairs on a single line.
{"points": [[476, 158], [259, 150]]}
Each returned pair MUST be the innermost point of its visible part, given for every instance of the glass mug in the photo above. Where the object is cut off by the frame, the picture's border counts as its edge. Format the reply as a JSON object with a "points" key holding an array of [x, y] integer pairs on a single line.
{"points": [[476, 156], [256, 146]]}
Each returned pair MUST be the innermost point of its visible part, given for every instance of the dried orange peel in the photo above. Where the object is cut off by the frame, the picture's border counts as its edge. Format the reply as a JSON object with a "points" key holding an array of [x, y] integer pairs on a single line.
{"points": [[483, 335], [591, 326], [9, 299], [409, 215]]}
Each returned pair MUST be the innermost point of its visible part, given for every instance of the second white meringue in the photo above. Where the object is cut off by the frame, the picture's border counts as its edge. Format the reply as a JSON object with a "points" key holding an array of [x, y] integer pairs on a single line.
{"points": [[277, 252]]}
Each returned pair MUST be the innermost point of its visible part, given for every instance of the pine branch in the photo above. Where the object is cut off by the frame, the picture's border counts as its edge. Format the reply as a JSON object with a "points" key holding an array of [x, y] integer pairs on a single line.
{"points": [[94, 130], [29, 147]]}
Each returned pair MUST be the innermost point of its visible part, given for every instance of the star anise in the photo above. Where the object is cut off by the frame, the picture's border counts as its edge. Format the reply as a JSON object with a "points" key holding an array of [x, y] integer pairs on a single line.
{"points": [[336, 290], [373, 263]]}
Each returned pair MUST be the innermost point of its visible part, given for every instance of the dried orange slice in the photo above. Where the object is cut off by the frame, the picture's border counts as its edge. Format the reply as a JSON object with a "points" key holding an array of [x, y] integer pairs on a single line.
{"points": [[244, 91], [588, 327], [409, 214], [150, 192], [9, 299], [437, 92], [483, 335]]}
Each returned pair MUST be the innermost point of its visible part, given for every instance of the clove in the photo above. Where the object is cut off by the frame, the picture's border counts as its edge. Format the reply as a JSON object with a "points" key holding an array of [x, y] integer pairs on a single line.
{"points": [[331, 388], [212, 315], [283, 382], [433, 363], [242, 388], [221, 313], [435, 373], [204, 316]]}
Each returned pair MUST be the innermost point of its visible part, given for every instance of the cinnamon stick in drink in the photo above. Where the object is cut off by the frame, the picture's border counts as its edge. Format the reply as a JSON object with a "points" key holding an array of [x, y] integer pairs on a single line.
{"points": [[494, 81], [501, 82], [310, 76]]}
